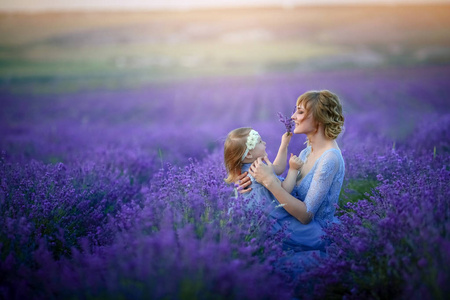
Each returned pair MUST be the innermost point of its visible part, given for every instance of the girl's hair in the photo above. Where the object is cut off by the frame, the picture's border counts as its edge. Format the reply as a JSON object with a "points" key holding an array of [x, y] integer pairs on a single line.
{"points": [[326, 109], [233, 150]]}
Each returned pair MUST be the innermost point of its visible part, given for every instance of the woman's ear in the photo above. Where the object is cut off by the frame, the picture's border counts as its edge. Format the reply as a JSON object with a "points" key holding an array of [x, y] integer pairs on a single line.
{"points": [[319, 126]]}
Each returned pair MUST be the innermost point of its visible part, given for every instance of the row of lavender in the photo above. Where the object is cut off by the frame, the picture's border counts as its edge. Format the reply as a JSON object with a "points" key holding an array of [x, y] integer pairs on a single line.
{"points": [[100, 199]]}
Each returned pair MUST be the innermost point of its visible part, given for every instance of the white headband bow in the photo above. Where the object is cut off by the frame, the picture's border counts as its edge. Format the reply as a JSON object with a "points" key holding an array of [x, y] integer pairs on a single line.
{"points": [[252, 139]]}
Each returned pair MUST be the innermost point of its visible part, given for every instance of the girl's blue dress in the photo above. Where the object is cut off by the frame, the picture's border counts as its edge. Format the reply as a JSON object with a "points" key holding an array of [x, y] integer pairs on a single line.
{"points": [[319, 190]]}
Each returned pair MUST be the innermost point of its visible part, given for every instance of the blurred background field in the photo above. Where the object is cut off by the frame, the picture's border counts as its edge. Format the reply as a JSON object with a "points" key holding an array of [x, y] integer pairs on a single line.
{"points": [[67, 52], [173, 83]]}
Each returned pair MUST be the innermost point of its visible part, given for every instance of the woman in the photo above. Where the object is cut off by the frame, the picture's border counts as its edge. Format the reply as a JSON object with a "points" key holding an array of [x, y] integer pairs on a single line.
{"points": [[310, 206]]}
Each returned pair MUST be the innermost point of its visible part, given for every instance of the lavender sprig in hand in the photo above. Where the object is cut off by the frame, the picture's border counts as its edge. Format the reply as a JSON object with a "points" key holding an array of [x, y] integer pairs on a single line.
{"points": [[287, 121]]}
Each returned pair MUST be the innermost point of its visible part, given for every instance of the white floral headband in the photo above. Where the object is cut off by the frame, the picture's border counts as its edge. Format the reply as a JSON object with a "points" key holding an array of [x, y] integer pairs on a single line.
{"points": [[252, 139]]}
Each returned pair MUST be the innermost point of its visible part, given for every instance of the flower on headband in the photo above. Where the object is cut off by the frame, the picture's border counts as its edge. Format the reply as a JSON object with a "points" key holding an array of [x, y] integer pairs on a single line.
{"points": [[252, 140]]}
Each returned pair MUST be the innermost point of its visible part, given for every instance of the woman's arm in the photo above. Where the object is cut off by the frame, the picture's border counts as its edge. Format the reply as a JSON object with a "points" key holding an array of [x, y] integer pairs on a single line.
{"points": [[279, 164], [320, 186], [292, 205], [322, 181]]}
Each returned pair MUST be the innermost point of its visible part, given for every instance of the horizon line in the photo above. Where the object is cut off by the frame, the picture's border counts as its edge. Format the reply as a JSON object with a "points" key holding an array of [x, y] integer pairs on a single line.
{"points": [[199, 6]]}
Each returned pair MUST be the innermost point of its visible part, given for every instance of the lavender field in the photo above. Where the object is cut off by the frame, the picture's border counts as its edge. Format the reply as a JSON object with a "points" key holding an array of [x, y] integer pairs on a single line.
{"points": [[119, 193]]}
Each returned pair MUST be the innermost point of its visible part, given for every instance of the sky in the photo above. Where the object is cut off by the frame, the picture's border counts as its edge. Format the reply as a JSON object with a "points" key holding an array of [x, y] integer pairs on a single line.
{"points": [[68, 5]]}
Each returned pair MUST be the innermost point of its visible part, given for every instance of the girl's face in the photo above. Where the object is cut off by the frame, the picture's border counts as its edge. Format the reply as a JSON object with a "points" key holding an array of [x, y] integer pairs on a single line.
{"points": [[259, 150], [304, 122]]}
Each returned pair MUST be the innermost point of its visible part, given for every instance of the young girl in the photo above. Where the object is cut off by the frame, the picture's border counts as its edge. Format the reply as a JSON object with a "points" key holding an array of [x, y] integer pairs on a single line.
{"points": [[242, 147]]}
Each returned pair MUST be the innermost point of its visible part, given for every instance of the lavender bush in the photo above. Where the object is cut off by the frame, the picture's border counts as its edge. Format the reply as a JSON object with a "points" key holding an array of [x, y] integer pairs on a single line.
{"points": [[179, 240], [106, 198], [394, 243]]}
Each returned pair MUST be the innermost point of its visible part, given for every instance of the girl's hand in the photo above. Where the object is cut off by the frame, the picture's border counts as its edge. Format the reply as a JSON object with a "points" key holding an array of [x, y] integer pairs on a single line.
{"points": [[295, 162], [263, 173], [242, 183], [286, 139]]}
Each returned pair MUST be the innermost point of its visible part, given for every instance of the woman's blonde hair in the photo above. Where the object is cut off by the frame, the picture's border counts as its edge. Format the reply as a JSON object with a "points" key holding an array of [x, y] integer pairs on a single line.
{"points": [[326, 109], [233, 150]]}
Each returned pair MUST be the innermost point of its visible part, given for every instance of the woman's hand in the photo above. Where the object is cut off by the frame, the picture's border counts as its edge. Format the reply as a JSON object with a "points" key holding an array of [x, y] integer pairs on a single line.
{"points": [[242, 183], [295, 162], [263, 172]]}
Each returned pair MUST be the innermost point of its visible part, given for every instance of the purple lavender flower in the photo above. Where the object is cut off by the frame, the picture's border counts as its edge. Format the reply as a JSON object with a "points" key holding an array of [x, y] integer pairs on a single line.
{"points": [[287, 121]]}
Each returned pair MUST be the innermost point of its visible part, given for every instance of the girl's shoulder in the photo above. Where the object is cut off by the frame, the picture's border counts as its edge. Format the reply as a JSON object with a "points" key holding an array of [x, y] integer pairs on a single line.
{"points": [[245, 167]]}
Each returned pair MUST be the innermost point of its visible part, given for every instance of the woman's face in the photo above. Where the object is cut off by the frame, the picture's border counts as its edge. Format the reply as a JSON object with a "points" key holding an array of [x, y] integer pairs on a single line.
{"points": [[304, 122]]}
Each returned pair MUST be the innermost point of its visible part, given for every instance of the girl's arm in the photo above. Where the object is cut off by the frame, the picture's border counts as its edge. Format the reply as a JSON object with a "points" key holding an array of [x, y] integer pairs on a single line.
{"points": [[279, 164], [320, 185], [295, 164]]}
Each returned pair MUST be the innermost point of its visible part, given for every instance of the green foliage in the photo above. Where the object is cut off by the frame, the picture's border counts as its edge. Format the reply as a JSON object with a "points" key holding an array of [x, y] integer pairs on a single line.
{"points": [[357, 189]]}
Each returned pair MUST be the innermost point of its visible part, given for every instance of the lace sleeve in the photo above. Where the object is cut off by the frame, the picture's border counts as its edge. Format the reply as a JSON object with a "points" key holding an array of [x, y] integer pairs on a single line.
{"points": [[322, 180]]}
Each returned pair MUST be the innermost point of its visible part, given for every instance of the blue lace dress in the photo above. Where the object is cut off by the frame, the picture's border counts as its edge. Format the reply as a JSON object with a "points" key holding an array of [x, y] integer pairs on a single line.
{"points": [[319, 190]]}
